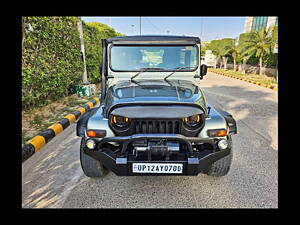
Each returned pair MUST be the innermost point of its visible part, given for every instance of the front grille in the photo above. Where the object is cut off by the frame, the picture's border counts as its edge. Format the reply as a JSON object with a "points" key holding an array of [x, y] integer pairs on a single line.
{"points": [[157, 126]]}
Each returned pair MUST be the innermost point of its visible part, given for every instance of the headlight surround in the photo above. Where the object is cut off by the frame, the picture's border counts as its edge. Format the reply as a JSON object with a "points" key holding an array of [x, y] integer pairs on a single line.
{"points": [[119, 121], [193, 121]]}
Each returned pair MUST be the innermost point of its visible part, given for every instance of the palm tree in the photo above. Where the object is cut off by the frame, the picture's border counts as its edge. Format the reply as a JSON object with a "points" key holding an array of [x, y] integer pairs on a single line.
{"points": [[258, 43], [217, 51], [233, 50], [225, 44], [241, 50]]}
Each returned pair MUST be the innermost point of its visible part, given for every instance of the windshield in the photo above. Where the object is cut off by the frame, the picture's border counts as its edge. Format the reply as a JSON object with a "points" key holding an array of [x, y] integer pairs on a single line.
{"points": [[135, 58]]}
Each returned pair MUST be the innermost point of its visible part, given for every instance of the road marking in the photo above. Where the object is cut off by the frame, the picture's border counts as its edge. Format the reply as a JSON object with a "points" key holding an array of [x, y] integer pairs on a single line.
{"points": [[81, 110], [90, 104], [57, 128], [38, 142], [71, 118]]}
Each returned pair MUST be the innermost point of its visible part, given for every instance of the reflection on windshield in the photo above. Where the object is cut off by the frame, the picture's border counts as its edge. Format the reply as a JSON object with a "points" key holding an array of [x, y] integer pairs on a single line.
{"points": [[133, 58]]}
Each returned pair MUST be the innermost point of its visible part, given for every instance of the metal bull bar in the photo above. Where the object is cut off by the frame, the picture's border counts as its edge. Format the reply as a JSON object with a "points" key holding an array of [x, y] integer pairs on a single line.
{"points": [[125, 140]]}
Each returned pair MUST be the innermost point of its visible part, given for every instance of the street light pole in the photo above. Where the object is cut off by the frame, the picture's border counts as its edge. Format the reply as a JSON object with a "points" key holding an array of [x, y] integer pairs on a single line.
{"points": [[84, 75], [140, 25]]}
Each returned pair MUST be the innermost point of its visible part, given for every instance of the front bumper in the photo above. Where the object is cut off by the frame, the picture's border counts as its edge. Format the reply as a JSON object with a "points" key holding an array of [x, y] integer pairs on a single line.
{"points": [[121, 164]]}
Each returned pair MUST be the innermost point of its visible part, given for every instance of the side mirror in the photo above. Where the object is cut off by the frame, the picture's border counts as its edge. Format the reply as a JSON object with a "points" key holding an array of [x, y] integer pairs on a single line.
{"points": [[203, 70]]}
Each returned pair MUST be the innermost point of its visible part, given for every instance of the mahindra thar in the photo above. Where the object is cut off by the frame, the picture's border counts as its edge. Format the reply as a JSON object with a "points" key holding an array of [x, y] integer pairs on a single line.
{"points": [[153, 118]]}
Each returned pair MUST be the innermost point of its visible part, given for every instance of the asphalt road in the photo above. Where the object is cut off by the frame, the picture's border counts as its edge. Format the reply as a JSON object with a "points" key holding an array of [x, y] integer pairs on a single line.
{"points": [[53, 178]]}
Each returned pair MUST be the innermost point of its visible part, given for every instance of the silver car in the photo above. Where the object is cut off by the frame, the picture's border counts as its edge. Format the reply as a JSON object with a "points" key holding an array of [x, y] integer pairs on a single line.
{"points": [[153, 118]]}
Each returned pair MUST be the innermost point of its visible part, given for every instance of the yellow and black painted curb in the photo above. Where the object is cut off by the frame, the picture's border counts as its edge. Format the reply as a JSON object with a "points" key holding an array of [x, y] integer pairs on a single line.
{"points": [[37, 142], [250, 81]]}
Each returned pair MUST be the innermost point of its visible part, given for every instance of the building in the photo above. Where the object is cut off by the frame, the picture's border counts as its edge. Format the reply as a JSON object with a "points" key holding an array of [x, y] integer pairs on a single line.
{"points": [[254, 23]]}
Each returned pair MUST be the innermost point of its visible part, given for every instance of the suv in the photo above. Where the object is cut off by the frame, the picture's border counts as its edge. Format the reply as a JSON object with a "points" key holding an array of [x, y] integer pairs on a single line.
{"points": [[153, 118]]}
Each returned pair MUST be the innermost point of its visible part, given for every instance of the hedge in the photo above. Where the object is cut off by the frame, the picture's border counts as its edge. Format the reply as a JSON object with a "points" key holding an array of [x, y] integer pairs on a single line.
{"points": [[51, 59], [93, 32]]}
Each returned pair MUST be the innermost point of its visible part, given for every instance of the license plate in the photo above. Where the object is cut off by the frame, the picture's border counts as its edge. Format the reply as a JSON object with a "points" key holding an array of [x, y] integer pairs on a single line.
{"points": [[157, 168]]}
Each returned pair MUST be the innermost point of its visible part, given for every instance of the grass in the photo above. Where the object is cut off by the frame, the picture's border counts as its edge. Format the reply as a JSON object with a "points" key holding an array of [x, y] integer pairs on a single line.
{"points": [[263, 79], [39, 119]]}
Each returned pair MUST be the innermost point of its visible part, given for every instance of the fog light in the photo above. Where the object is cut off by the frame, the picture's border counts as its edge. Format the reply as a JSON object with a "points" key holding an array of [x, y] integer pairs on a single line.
{"points": [[90, 144], [222, 144]]}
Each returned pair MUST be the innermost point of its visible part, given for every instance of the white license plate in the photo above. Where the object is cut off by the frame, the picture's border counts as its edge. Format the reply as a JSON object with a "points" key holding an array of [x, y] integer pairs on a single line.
{"points": [[157, 168]]}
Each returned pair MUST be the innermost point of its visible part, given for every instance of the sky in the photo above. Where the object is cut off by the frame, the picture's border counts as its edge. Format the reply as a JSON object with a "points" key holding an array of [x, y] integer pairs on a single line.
{"points": [[207, 28]]}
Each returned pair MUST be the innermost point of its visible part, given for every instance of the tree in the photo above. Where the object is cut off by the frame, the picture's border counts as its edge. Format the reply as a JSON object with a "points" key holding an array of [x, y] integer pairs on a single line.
{"points": [[258, 43], [204, 46], [241, 49], [216, 48], [233, 50], [226, 49], [93, 33], [274, 36]]}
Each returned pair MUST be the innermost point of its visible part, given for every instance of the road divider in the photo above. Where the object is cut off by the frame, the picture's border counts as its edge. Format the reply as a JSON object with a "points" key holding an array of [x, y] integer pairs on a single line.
{"points": [[40, 140], [244, 79]]}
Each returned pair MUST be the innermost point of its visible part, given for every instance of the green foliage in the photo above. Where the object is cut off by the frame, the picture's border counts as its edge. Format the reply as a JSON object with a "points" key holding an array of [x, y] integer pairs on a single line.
{"points": [[204, 47], [226, 46], [258, 43], [270, 60], [216, 48], [93, 32], [274, 36], [51, 60], [221, 47]]}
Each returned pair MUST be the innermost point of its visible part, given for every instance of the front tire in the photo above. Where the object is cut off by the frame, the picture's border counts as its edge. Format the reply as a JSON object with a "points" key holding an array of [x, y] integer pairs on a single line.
{"points": [[222, 166], [91, 167]]}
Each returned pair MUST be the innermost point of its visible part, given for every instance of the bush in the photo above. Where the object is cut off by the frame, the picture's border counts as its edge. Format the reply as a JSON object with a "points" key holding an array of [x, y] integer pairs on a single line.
{"points": [[51, 59], [93, 33]]}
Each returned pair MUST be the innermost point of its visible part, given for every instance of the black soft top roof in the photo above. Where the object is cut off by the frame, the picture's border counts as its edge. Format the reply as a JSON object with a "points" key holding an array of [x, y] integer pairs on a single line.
{"points": [[154, 39]]}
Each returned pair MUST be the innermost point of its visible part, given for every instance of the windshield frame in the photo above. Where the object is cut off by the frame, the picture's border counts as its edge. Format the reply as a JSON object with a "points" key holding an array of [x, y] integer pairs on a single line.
{"points": [[154, 69]]}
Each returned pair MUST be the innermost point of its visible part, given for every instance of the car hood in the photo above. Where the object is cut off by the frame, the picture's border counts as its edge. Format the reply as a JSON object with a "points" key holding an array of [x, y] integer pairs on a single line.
{"points": [[150, 91]]}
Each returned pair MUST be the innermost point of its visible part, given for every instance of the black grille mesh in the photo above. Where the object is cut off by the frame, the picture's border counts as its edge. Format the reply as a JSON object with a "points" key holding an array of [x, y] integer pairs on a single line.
{"points": [[157, 126]]}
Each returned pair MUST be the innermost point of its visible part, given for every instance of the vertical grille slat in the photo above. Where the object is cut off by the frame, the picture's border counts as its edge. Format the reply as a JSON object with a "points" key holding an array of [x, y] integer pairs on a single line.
{"points": [[157, 126]]}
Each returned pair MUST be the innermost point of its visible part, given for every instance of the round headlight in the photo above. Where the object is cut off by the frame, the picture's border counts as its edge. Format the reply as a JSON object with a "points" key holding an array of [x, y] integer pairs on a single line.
{"points": [[119, 121], [192, 121], [222, 144], [90, 144]]}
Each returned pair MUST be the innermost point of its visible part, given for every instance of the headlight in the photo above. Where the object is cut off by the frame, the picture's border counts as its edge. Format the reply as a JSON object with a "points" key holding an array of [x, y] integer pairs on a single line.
{"points": [[119, 121], [222, 144], [192, 121], [90, 144]]}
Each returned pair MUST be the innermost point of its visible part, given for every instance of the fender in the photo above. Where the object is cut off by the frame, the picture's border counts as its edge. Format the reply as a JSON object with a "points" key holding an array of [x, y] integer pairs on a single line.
{"points": [[229, 119], [82, 122]]}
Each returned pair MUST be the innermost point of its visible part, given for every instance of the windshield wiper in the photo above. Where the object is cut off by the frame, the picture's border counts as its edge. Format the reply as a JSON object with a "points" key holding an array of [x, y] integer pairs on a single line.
{"points": [[177, 69], [146, 69]]}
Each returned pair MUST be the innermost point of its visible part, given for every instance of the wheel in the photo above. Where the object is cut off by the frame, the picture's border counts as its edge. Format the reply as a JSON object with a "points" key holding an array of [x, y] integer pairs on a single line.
{"points": [[90, 166], [222, 166]]}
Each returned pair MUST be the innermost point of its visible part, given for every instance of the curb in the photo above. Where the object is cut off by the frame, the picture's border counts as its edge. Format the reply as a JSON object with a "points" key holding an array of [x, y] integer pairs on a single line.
{"points": [[39, 141], [249, 81]]}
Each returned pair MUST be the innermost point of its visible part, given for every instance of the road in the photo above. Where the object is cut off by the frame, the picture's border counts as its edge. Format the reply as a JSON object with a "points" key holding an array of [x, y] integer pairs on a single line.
{"points": [[53, 178]]}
